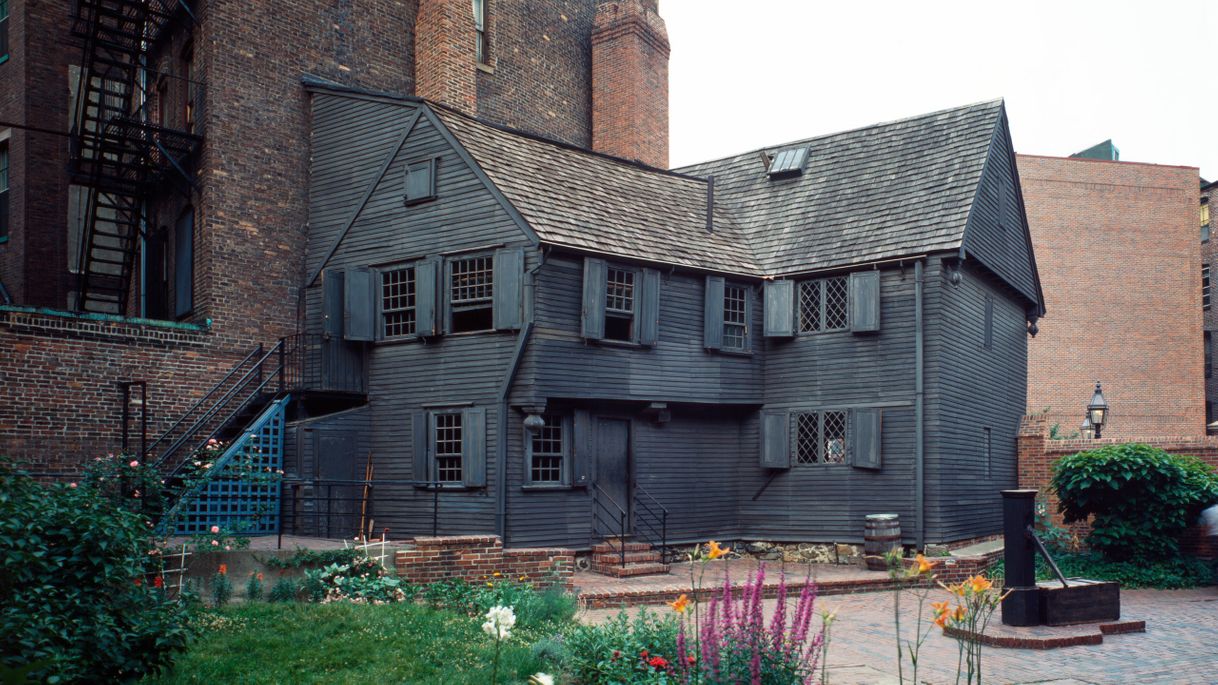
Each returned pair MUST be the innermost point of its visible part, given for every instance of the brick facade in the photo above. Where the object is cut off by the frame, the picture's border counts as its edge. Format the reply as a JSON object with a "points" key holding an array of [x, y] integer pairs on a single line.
{"points": [[630, 82], [476, 558], [1116, 245], [1209, 257], [250, 205]]}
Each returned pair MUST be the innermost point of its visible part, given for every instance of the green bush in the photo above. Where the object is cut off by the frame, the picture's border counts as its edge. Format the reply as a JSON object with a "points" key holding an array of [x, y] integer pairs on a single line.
{"points": [[285, 590], [79, 588], [1159, 574], [617, 650], [1141, 497], [361, 581]]}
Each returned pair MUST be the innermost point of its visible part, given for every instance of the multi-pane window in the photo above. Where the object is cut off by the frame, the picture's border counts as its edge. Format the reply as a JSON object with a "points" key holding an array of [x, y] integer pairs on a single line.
{"points": [[398, 302], [823, 305], [820, 437], [472, 294], [4, 189], [735, 317], [1205, 286], [448, 444], [1205, 222], [619, 304], [3, 29], [481, 46], [547, 451], [1209, 354]]}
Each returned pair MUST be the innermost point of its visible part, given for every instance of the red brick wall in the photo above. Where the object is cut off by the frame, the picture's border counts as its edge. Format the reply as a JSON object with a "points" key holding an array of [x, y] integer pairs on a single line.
{"points": [[476, 558], [445, 43], [1117, 249], [630, 82]]}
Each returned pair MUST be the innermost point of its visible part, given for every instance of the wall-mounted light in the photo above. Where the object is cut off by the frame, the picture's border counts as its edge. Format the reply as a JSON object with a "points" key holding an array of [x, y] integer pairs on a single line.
{"points": [[534, 423]]}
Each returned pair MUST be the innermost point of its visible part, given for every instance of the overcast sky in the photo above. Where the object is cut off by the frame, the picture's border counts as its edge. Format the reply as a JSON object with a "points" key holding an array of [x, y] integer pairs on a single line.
{"points": [[749, 74]]}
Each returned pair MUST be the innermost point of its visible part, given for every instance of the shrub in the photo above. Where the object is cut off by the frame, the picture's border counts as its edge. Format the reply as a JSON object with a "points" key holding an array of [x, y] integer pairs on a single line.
{"points": [[552, 604], [313, 557], [622, 650], [285, 590], [253, 587], [361, 581], [79, 585], [221, 587], [1141, 497]]}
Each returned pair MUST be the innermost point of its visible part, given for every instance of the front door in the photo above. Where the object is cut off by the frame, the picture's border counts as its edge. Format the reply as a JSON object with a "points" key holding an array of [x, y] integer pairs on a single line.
{"points": [[613, 464]]}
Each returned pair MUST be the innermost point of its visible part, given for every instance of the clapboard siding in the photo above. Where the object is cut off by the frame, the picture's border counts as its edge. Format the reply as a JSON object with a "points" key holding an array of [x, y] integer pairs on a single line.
{"points": [[971, 388], [559, 363], [996, 232]]}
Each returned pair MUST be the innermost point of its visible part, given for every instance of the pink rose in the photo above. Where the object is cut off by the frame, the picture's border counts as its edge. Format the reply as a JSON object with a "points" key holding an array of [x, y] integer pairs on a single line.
{"points": [[71, 485], [134, 463], [215, 529], [215, 543]]}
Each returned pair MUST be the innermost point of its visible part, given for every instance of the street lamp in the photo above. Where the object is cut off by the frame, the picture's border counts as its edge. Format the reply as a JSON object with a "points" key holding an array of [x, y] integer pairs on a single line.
{"points": [[1097, 410], [1087, 431]]}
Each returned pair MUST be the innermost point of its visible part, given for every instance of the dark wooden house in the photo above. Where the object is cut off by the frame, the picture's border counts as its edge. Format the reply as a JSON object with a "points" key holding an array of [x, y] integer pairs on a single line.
{"points": [[768, 346]]}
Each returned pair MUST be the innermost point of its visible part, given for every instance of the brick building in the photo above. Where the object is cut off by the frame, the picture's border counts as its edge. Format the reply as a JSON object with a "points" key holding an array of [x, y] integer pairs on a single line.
{"points": [[1117, 247], [1209, 255], [184, 181]]}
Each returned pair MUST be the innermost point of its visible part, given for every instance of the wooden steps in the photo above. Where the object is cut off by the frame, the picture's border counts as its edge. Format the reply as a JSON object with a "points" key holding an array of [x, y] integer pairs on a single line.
{"points": [[641, 559]]}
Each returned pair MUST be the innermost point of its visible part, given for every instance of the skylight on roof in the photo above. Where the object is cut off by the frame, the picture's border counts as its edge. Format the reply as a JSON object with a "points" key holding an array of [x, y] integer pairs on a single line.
{"points": [[788, 162]]}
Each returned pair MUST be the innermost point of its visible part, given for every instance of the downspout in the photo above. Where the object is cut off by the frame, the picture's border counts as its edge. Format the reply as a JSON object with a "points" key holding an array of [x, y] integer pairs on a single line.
{"points": [[919, 412]]}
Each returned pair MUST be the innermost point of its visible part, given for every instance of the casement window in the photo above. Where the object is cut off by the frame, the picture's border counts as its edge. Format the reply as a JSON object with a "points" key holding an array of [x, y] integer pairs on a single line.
{"points": [[4, 195], [3, 31], [549, 450], [1205, 220], [471, 294], [823, 305], [398, 302], [802, 437], [726, 315], [481, 46], [421, 181], [1205, 286], [450, 447], [620, 304]]}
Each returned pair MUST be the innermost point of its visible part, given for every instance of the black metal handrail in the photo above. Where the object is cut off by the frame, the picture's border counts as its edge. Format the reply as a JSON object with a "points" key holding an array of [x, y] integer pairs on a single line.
{"points": [[292, 492], [647, 518], [598, 506], [223, 381], [317, 362]]}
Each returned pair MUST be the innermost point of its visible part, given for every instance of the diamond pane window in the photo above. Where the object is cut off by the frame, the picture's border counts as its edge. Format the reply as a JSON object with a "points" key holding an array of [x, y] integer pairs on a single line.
{"points": [[548, 451], [809, 306], [448, 446], [398, 302], [824, 305], [735, 318], [837, 303], [834, 437], [807, 428]]}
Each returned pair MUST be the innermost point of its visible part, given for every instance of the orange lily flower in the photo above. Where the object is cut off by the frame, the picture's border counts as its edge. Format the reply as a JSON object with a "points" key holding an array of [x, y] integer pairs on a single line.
{"points": [[680, 604], [714, 551], [959, 613], [980, 583], [224, 569], [939, 607], [924, 565]]}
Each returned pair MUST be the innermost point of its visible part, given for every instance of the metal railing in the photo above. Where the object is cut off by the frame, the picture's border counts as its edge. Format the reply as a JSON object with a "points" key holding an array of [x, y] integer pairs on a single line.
{"points": [[651, 520], [322, 363], [342, 508], [604, 510]]}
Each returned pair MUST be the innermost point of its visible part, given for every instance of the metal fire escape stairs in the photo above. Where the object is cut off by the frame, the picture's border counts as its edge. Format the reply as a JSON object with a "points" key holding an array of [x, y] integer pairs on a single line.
{"points": [[118, 153]]}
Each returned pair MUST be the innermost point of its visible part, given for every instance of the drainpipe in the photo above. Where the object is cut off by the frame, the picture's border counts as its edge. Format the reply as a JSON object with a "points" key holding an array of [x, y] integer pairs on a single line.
{"points": [[919, 411]]}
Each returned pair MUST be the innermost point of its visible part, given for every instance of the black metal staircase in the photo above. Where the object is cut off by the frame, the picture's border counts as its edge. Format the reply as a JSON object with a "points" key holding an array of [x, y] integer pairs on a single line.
{"points": [[118, 152]]}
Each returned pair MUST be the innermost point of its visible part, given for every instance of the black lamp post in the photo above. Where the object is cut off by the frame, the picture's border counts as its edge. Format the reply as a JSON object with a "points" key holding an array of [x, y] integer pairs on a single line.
{"points": [[1097, 410], [1087, 431]]}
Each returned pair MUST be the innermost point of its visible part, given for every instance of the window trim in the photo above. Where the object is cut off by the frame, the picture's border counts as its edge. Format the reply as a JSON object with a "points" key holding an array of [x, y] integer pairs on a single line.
{"points": [[820, 414], [636, 275], [567, 427], [746, 343], [482, 43], [382, 334], [433, 454], [450, 308], [822, 286]]}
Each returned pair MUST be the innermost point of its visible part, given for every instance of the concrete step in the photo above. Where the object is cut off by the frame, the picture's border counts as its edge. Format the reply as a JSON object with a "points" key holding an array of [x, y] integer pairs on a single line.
{"points": [[630, 570], [611, 558]]}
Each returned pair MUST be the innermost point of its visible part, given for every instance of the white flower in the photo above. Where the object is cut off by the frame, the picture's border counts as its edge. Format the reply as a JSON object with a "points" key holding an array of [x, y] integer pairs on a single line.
{"points": [[499, 622], [541, 679]]}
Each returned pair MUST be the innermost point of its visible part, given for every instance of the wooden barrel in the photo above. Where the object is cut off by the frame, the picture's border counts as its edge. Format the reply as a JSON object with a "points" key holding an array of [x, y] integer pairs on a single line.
{"points": [[881, 533]]}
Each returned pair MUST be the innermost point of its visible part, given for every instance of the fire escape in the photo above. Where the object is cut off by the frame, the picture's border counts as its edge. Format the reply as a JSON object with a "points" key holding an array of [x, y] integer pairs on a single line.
{"points": [[120, 152]]}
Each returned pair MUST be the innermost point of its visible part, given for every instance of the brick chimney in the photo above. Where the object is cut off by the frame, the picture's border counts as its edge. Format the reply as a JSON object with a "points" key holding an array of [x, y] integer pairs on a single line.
{"points": [[445, 47], [630, 81]]}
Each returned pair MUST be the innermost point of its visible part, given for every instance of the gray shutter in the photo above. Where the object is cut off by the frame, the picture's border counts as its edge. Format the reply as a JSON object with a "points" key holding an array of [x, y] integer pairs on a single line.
{"points": [[332, 303], [473, 447], [779, 309], [592, 324], [426, 277], [582, 449], [865, 301], [775, 440], [508, 288], [649, 308], [712, 314], [866, 438], [359, 309], [420, 181], [422, 470]]}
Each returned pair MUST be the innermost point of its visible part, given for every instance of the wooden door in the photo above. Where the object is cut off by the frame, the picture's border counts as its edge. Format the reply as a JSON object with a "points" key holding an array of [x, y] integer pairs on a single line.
{"points": [[338, 504], [613, 463]]}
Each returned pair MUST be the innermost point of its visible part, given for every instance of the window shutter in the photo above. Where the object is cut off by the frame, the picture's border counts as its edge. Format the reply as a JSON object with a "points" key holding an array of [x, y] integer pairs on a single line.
{"points": [[421, 462], [775, 440], [649, 308], [473, 447], [359, 309], [420, 181], [865, 301], [332, 303], [582, 448], [592, 325], [712, 314], [866, 438], [509, 288], [779, 309], [426, 280]]}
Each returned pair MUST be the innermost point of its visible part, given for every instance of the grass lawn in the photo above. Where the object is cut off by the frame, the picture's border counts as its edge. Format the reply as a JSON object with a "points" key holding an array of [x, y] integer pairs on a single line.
{"points": [[347, 643]]}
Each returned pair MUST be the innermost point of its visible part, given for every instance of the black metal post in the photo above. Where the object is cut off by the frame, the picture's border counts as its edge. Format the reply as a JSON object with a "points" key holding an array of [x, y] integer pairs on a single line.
{"points": [[621, 536], [282, 362], [435, 509], [126, 386], [663, 535], [143, 419], [1022, 604]]}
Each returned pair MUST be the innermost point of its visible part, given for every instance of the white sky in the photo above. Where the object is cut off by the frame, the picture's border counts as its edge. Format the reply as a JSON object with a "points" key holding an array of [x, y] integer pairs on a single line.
{"points": [[744, 75]]}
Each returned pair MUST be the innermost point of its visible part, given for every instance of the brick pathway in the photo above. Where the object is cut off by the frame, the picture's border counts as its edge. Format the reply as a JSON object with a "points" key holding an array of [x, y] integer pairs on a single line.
{"points": [[1180, 644]]}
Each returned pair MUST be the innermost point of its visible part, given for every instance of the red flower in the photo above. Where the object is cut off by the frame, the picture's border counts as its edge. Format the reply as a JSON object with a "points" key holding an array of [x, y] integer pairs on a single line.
{"points": [[690, 659], [617, 654], [158, 582], [139, 582], [658, 662], [643, 654]]}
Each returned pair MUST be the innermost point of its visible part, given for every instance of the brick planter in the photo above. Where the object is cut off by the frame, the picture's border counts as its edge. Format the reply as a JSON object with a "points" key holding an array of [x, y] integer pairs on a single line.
{"points": [[476, 557]]}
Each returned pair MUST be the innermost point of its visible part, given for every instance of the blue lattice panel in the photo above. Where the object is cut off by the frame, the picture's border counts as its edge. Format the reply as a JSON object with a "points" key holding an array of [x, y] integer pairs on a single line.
{"points": [[242, 495]]}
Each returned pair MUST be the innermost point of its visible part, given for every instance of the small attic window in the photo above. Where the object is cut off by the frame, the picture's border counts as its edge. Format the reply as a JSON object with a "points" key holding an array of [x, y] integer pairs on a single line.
{"points": [[788, 162], [421, 181]]}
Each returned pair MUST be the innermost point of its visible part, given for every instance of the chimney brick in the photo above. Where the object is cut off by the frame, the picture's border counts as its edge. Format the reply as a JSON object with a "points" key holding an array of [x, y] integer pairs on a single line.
{"points": [[630, 81], [445, 58]]}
